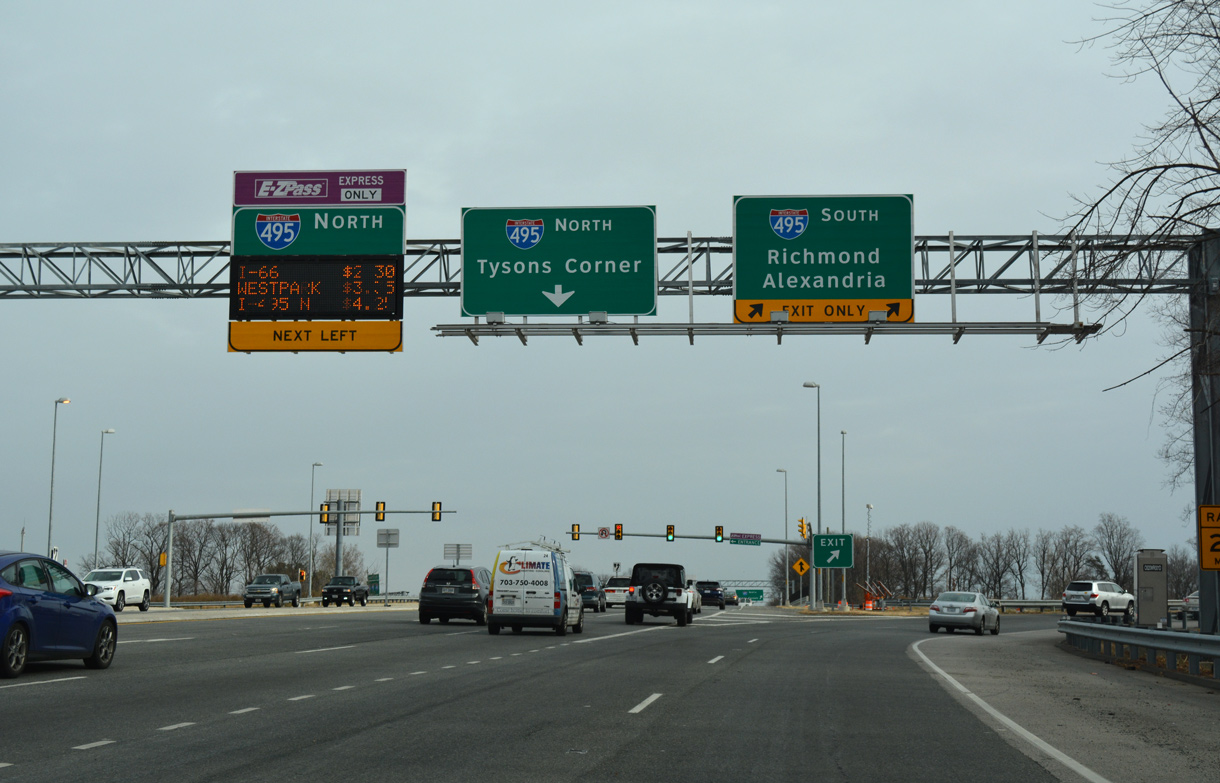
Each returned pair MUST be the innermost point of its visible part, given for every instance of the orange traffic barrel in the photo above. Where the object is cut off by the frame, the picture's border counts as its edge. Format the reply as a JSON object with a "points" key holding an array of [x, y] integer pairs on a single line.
{"points": [[868, 605]]}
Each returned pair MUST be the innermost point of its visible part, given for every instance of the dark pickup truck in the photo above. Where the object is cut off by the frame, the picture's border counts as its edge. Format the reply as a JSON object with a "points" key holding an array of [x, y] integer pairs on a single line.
{"points": [[345, 589], [272, 588]]}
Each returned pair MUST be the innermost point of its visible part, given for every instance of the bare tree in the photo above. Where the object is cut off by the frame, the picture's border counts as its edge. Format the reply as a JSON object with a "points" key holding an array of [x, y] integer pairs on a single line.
{"points": [[1182, 575], [150, 543], [1019, 549], [930, 556], [122, 531], [353, 563], [260, 546], [193, 542], [1073, 553], [1117, 540], [957, 546], [223, 567], [904, 557], [994, 559], [1046, 563]]}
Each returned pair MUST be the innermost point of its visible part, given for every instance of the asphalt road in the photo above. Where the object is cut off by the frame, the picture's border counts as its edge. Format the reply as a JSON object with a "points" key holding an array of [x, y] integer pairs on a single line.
{"points": [[365, 694]]}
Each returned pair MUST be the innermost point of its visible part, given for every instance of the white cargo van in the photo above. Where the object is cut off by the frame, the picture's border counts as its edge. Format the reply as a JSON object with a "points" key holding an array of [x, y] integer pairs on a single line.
{"points": [[533, 588]]}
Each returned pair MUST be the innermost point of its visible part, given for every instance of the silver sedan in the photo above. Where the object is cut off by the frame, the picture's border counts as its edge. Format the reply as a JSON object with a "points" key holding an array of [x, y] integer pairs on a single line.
{"points": [[963, 610]]}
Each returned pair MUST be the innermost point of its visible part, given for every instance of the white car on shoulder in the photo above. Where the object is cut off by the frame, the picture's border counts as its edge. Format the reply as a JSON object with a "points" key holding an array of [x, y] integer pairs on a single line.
{"points": [[121, 586], [1100, 598]]}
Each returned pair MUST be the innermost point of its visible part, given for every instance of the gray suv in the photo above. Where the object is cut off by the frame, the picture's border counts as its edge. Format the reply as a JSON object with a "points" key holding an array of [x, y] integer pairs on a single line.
{"points": [[1099, 598]]}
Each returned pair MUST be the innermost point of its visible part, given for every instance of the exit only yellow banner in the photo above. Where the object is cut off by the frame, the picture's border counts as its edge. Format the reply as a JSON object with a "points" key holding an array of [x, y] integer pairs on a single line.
{"points": [[294, 336], [758, 311]]}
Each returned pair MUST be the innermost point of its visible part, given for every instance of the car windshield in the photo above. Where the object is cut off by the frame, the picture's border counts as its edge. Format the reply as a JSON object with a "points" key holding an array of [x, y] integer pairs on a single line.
{"points": [[103, 576], [618, 581], [449, 576], [957, 598], [343, 580], [266, 580]]}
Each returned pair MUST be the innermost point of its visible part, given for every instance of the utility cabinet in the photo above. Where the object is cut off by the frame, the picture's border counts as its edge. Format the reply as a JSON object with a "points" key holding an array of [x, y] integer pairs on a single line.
{"points": [[1151, 588]]}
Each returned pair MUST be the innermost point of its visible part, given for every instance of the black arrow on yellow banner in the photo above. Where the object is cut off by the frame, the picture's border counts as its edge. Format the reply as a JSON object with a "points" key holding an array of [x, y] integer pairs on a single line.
{"points": [[756, 310], [893, 308]]}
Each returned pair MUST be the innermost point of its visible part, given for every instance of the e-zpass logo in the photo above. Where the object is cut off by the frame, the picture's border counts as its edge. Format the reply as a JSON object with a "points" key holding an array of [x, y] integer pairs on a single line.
{"points": [[277, 231], [290, 188], [789, 223], [524, 234], [515, 565]]}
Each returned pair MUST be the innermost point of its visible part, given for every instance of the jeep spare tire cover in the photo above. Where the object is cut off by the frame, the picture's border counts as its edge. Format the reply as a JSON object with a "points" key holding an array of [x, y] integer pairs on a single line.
{"points": [[654, 593]]}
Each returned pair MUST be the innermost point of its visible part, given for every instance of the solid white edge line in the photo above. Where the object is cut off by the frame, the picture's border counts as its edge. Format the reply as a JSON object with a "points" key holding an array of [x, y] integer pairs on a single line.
{"points": [[1020, 731], [326, 649], [92, 745], [41, 682], [644, 704], [624, 633]]}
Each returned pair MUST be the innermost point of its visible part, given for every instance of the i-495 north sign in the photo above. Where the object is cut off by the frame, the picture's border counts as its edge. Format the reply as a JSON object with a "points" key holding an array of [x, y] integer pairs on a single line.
{"points": [[559, 260], [823, 258]]}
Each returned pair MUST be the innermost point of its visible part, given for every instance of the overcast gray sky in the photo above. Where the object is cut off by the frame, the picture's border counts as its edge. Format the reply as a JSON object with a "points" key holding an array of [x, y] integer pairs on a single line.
{"points": [[124, 122]]}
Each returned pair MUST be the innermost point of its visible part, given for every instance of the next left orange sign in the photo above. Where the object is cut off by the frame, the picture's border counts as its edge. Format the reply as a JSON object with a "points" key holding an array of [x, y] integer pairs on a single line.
{"points": [[294, 336]]}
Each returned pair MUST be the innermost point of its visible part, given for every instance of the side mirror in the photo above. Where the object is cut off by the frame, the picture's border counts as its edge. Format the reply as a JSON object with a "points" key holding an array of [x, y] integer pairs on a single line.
{"points": [[90, 590]]}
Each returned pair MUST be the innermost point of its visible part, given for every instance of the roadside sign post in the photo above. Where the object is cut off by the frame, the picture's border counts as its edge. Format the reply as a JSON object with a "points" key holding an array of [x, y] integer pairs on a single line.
{"points": [[820, 259], [387, 539], [559, 261]]}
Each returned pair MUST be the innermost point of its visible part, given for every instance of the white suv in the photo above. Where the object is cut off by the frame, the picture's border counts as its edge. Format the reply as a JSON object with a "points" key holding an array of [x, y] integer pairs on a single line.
{"points": [[1100, 598], [121, 585]]}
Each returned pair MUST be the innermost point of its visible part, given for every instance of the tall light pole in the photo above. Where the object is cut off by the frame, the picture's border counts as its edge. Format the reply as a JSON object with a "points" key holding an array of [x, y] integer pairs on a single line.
{"points": [[812, 385], [51, 505], [868, 549], [787, 591], [97, 521], [843, 511], [309, 520]]}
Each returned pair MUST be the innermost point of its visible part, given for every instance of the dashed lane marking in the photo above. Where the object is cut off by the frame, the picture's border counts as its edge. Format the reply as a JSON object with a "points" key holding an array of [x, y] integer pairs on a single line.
{"points": [[343, 688], [175, 726], [717, 658], [150, 641], [326, 649], [752, 641], [40, 682], [644, 704], [243, 711], [383, 679], [417, 673], [92, 745], [301, 698]]}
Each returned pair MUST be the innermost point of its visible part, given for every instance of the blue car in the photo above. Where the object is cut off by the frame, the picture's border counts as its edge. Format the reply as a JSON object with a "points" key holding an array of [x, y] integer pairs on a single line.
{"points": [[46, 613]]}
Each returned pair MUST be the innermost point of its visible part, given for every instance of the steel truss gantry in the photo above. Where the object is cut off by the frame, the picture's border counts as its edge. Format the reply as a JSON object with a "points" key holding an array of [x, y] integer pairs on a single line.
{"points": [[1032, 265]]}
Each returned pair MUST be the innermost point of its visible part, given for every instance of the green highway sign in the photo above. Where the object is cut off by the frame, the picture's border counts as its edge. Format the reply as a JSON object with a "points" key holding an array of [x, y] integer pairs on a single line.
{"points": [[833, 551], [318, 231], [753, 595], [559, 260], [823, 258], [749, 539]]}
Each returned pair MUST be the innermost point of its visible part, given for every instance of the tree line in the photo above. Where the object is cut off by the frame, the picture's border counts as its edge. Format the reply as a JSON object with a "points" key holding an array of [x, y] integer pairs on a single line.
{"points": [[918, 560], [215, 558]]}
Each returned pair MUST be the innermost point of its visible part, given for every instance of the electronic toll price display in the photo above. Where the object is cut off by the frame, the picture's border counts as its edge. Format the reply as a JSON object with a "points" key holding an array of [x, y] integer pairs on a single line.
{"points": [[315, 287]]}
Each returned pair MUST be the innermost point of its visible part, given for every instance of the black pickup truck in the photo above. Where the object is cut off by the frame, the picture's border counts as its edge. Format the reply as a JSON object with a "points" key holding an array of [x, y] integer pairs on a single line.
{"points": [[345, 589]]}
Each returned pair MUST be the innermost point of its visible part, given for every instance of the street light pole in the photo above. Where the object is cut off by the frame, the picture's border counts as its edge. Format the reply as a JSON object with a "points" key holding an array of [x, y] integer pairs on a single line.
{"points": [[787, 590], [868, 549], [812, 385], [51, 505], [309, 520], [97, 522], [843, 511]]}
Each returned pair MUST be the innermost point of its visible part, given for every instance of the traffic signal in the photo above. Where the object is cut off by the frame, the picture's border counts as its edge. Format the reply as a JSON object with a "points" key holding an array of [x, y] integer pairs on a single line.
{"points": [[719, 533], [669, 532], [325, 516], [436, 511], [575, 532], [618, 532], [300, 574], [800, 526], [380, 515]]}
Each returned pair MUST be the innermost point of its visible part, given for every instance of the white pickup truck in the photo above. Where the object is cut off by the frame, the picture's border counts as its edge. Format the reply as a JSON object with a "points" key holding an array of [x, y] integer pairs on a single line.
{"points": [[660, 589]]}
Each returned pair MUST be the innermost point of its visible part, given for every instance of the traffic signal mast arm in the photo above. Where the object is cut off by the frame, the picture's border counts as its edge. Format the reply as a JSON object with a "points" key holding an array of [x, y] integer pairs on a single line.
{"points": [[316, 513], [794, 541]]}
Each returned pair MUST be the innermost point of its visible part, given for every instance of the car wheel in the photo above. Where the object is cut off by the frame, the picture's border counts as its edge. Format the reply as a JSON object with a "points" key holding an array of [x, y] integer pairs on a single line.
{"points": [[493, 629], [629, 615], [424, 619], [267, 604], [443, 620], [15, 651], [1104, 611], [1071, 612], [933, 629], [296, 600], [690, 617], [580, 624], [279, 601], [325, 603], [995, 631], [562, 628], [653, 592], [364, 600], [682, 616], [103, 647], [146, 602], [722, 606], [480, 619], [948, 629], [1129, 612], [248, 603], [979, 631], [120, 602], [516, 629]]}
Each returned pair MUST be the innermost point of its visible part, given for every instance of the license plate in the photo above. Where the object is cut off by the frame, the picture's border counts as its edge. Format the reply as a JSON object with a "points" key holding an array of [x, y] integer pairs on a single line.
{"points": [[951, 610], [508, 600], [447, 589]]}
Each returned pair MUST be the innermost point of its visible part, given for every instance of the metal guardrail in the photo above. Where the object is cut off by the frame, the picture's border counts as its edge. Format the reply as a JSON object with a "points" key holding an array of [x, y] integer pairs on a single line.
{"points": [[1118, 643], [373, 599]]}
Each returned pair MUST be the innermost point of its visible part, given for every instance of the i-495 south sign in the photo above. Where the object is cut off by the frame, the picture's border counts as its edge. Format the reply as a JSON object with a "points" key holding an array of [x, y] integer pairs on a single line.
{"points": [[559, 260]]}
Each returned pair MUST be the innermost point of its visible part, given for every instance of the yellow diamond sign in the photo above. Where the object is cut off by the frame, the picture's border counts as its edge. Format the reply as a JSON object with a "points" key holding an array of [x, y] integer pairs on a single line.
{"points": [[800, 566]]}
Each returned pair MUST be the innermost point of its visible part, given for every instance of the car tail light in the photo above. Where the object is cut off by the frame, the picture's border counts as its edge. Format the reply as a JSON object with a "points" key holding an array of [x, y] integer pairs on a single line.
{"points": [[5, 593], [1092, 595], [489, 597], [631, 589], [556, 600], [474, 582], [969, 609], [934, 608]]}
